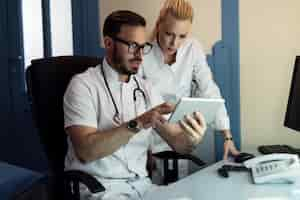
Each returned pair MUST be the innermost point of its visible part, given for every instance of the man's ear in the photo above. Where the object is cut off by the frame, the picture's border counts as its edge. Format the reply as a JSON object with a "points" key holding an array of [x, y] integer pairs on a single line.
{"points": [[108, 42]]}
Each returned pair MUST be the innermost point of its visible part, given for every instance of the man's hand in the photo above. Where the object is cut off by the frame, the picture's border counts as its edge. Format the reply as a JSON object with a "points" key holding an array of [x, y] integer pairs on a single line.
{"points": [[194, 127], [151, 117], [184, 135]]}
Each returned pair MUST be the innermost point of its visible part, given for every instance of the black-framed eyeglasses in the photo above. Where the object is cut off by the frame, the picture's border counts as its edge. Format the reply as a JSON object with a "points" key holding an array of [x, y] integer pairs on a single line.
{"points": [[133, 47]]}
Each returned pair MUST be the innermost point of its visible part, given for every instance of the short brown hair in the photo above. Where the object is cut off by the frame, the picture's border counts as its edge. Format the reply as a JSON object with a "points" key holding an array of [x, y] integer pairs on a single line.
{"points": [[114, 22]]}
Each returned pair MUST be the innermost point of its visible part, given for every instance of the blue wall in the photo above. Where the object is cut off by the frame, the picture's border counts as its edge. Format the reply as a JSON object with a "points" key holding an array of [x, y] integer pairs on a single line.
{"points": [[226, 68]]}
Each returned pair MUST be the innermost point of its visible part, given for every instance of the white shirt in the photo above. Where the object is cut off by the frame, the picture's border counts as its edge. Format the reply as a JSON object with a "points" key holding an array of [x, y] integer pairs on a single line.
{"points": [[87, 102], [188, 76]]}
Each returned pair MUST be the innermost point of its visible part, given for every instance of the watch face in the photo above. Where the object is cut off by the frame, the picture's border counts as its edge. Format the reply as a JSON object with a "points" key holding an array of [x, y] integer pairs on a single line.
{"points": [[132, 124]]}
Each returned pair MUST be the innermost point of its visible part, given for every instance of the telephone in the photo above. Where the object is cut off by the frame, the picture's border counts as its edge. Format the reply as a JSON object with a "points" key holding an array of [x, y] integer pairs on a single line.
{"points": [[274, 168]]}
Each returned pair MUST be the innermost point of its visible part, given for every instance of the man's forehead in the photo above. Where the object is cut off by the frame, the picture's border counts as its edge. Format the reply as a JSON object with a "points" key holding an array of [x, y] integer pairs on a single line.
{"points": [[133, 33]]}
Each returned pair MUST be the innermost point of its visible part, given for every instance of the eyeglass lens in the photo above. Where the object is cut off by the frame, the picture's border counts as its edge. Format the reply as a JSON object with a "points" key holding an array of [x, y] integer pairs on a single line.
{"points": [[134, 47]]}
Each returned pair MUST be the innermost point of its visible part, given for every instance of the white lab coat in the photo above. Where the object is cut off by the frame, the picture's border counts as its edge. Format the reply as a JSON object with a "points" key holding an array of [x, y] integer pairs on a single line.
{"points": [[188, 76], [87, 102]]}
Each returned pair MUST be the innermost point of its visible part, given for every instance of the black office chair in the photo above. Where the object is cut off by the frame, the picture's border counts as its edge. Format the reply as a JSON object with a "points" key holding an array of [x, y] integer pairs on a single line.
{"points": [[47, 80]]}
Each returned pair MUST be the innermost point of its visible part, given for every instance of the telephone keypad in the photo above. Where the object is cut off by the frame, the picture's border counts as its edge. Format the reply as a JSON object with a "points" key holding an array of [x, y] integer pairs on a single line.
{"points": [[268, 168]]}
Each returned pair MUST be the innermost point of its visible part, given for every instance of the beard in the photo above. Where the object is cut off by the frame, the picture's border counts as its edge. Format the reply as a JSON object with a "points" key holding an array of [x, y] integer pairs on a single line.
{"points": [[120, 64]]}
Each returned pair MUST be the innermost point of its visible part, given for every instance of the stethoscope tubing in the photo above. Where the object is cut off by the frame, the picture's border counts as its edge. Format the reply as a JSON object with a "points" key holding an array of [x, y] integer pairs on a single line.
{"points": [[116, 117]]}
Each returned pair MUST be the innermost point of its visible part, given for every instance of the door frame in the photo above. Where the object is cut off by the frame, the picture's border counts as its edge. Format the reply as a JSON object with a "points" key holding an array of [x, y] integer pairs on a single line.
{"points": [[86, 31], [21, 145]]}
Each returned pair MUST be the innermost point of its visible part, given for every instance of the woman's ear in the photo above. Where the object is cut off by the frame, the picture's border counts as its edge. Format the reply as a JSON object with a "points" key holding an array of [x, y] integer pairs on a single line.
{"points": [[158, 26]]}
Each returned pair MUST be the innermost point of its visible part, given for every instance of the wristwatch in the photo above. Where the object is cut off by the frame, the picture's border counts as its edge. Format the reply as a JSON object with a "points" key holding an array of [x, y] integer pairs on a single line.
{"points": [[133, 126], [228, 138]]}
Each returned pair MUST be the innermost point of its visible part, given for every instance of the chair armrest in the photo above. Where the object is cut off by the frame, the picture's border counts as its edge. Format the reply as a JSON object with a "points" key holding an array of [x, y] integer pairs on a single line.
{"points": [[175, 156], [76, 176], [171, 173], [51, 187]]}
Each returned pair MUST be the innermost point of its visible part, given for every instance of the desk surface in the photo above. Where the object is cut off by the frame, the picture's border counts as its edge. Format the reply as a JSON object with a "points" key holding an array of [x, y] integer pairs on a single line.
{"points": [[206, 184]]}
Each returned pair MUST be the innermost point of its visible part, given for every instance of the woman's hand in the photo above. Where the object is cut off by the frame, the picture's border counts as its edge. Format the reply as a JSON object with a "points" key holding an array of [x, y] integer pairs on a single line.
{"points": [[229, 147]]}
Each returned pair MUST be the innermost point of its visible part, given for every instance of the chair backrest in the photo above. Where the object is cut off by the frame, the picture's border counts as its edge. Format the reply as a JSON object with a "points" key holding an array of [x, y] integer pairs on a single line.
{"points": [[47, 80]]}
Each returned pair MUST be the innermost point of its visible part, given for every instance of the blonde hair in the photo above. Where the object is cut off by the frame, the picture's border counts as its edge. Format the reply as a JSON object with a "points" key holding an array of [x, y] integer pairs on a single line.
{"points": [[180, 9]]}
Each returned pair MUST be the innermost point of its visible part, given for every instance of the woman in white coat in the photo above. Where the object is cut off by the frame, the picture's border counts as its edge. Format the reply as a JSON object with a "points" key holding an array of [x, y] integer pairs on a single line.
{"points": [[177, 65]]}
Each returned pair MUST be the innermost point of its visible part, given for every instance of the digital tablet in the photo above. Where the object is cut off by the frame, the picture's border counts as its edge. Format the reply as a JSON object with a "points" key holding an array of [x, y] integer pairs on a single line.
{"points": [[187, 105]]}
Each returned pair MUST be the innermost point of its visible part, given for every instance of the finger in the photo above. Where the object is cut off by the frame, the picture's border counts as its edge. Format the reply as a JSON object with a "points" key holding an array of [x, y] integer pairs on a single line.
{"points": [[193, 123], [197, 123], [226, 151], [145, 119], [165, 108], [200, 118], [189, 131], [233, 150], [147, 125], [157, 119], [162, 119]]}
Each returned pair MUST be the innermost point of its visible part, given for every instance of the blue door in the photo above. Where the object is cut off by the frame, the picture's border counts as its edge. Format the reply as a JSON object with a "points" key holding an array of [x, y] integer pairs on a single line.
{"points": [[19, 142], [5, 106]]}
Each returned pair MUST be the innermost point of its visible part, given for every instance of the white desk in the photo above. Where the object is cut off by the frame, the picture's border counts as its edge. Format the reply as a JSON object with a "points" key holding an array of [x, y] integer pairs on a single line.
{"points": [[206, 184]]}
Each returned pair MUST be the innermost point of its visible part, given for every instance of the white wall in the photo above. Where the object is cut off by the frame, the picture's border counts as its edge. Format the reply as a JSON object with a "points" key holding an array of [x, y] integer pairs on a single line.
{"points": [[61, 27], [32, 30], [270, 40], [206, 25]]}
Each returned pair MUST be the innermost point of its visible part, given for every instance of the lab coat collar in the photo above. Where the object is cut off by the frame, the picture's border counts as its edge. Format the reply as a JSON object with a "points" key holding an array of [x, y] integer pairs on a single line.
{"points": [[112, 75], [159, 54]]}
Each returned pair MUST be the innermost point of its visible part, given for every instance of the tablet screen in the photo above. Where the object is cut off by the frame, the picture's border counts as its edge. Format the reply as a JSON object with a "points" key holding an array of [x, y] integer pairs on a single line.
{"points": [[187, 105]]}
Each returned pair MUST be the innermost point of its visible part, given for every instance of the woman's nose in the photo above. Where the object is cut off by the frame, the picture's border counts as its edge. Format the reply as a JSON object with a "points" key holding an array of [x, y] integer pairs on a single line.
{"points": [[174, 41]]}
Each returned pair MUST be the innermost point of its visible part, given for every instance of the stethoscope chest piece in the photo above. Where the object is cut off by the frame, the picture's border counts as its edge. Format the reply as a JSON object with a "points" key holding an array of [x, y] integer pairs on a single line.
{"points": [[136, 92], [117, 119]]}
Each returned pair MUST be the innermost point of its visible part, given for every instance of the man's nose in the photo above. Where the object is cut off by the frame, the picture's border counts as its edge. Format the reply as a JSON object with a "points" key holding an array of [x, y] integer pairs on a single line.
{"points": [[139, 52]]}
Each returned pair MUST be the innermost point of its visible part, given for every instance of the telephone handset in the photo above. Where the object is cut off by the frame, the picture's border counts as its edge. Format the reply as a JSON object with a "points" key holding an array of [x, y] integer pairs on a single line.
{"points": [[274, 168]]}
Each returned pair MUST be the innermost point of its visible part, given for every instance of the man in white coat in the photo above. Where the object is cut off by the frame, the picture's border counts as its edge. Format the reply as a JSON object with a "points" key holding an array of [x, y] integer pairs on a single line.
{"points": [[109, 114]]}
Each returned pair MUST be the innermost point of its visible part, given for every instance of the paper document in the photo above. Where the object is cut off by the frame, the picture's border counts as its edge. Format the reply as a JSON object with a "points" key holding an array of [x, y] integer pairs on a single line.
{"points": [[187, 105]]}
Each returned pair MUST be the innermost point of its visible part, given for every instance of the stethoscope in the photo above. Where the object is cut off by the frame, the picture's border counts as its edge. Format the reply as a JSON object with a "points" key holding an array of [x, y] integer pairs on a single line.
{"points": [[116, 117]]}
